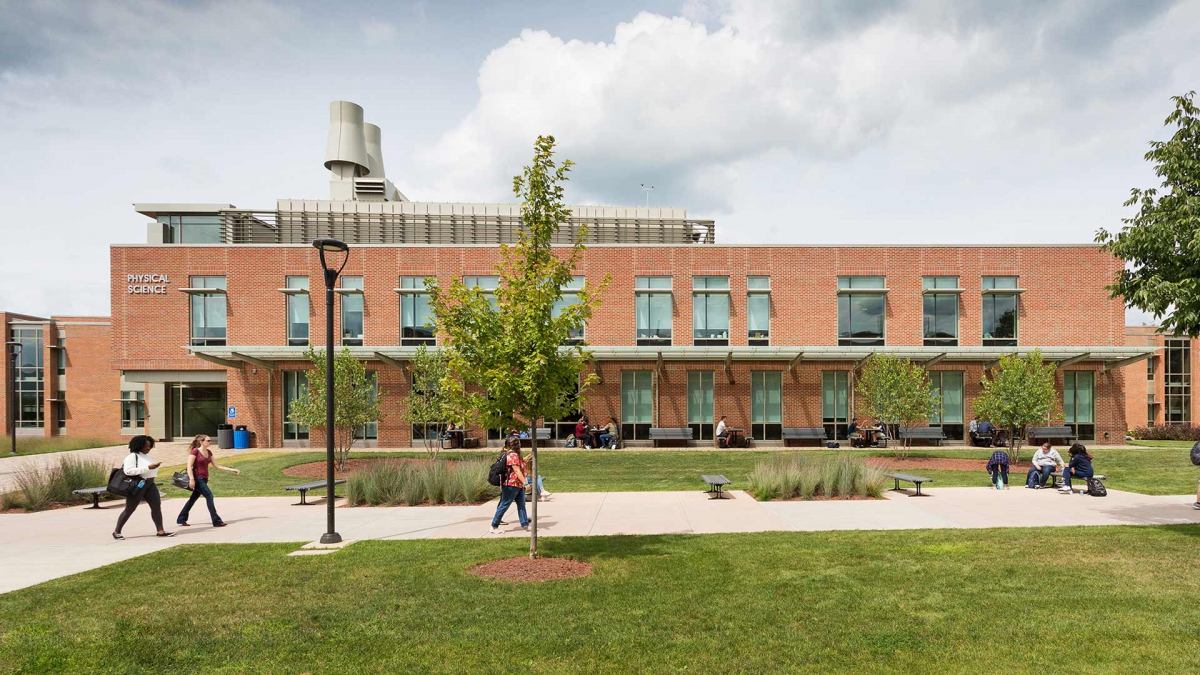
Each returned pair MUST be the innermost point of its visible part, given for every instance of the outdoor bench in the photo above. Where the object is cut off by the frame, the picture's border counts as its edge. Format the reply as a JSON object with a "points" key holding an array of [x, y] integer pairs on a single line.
{"points": [[542, 434], [1057, 475], [95, 492], [804, 434], [314, 485], [471, 442], [1049, 433], [715, 484], [923, 434], [671, 434], [909, 478]]}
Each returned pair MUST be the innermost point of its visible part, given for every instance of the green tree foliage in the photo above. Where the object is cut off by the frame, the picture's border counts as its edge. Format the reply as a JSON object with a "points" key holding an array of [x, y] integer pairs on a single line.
{"points": [[898, 392], [428, 405], [1161, 242], [1020, 392], [355, 402], [508, 358]]}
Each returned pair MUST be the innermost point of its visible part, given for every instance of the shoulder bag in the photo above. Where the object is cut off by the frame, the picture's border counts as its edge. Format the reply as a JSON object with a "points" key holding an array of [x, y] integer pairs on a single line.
{"points": [[121, 483]]}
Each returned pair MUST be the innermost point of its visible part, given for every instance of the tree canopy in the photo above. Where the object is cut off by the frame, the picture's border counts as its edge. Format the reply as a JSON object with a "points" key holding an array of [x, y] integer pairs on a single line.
{"points": [[1020, 392], [898, 392], [355, 400]]}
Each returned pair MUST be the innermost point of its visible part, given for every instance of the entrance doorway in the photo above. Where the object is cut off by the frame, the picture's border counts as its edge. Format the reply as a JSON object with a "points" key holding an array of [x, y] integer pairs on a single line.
{"points": [[196, 410]]}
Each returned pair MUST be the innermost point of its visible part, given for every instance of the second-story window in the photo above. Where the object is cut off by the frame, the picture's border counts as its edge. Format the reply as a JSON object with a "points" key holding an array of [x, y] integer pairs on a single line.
{"points": [[861, 306], [351, 292], [1000, 298], [653, 307], [297, 310], [710, 311], [570, 296], [487, 285], [193, 229], [207, 296], [940, 325], [416, 321], [758, 311]]}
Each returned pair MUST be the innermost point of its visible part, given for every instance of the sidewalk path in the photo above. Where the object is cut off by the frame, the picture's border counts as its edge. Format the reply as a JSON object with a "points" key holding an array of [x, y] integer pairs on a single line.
{"points": [[38, 547]]}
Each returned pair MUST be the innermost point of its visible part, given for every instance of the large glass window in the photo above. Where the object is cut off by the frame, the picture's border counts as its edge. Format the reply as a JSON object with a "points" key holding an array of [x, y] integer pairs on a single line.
{"points": [[637, 404], [295, 384], [297, 311], [133, 409], [29, 379], [1000, 311], [950, 415], [941, 311], [192, 229], [208, 311], [570, 297], [1177, 373], [700, 404], [1079, 398], [60, 356], [710, 311], [487, 285], [370, 430], [426, 430], [766, 405], [835, 403], [352, 311], [416, 320], [758, 311], [653, 309], [861, 311]]}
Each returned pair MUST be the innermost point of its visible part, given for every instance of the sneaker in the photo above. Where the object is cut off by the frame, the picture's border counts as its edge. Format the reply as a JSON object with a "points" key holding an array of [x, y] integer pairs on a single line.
{"points": [[1065, 490], [495, 530], [547, 494], [525, 527], [1196, 506]]}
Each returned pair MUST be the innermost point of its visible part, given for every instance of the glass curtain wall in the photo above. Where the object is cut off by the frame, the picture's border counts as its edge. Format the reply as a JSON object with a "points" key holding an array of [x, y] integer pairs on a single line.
{"points": [[29, 378], [950, 415], [637, 404], [766, 405], [1079, 400], [835, 403], [192, 229], [700, 404]]}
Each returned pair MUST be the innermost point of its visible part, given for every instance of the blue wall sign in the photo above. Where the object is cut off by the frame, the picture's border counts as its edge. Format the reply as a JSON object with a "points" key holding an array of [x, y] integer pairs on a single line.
{"points": [[232, 412]]}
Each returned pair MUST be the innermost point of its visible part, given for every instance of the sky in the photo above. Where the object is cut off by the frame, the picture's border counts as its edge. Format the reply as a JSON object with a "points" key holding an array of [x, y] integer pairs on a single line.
{"points": [[828, 121]]}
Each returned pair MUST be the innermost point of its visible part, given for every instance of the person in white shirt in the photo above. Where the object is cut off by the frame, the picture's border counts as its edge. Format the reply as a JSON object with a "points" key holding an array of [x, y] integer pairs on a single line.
{"points": [[138, 464], [1045, 460], [722, 433]]}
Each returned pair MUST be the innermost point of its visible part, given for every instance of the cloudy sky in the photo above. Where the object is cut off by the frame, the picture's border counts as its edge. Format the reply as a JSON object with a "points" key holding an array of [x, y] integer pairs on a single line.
{"points": [[852, 121]]}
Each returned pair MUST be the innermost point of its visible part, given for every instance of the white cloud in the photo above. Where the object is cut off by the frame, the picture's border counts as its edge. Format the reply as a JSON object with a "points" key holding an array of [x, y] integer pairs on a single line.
{"points": [[378, 32]]}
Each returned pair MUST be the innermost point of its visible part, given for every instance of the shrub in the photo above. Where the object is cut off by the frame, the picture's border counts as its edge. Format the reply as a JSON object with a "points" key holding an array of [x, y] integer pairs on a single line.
{"points": [[803, 477], [39, 486], [1163, 432], [436, 482]]}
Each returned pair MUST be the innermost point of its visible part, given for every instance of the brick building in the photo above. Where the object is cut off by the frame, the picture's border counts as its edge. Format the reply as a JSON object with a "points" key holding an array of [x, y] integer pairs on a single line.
{"points": [[1161, 392]]}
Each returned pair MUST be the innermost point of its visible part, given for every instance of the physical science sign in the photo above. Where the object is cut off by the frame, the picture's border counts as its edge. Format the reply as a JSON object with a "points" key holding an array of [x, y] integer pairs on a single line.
{"points": [[147, 284]]}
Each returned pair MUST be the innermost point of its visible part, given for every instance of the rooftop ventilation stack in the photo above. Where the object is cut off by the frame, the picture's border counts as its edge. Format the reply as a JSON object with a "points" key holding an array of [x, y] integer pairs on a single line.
{"points": [[346, 152]]}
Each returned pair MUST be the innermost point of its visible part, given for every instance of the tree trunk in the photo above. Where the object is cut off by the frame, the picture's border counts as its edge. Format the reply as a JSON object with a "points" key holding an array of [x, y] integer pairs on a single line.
{"points": [[533, 480]]}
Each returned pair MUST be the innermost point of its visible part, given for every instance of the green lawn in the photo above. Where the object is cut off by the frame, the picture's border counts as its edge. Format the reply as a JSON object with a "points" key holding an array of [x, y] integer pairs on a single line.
{"points": [[920, 601], [38, 445], [1163, 444]]}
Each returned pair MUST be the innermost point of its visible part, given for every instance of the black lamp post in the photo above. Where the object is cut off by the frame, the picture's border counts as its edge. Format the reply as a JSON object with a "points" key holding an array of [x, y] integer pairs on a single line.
{"points": [[16, 358], [331, 275]]}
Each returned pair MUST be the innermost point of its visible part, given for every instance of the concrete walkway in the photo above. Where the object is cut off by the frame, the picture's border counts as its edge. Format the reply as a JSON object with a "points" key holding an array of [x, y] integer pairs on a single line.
{"points": [[42, 546]]}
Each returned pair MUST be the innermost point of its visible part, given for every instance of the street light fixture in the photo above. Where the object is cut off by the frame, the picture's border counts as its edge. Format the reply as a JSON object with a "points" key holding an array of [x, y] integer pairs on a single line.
{"points": [[330, 246], [16, 355]]}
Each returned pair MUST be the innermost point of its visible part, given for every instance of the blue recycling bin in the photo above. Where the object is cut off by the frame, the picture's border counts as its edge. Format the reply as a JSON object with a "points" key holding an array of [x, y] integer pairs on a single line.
{"points": [[241, 438]]}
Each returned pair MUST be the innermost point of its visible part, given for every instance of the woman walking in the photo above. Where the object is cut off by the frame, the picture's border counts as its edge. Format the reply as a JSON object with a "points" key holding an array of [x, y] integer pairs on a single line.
{"points": [[138, 464], [200, 458], [512, 488]]}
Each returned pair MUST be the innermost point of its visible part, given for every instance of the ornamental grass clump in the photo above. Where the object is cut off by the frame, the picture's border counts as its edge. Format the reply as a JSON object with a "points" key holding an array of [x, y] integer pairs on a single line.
{"points": [[41, 487], [388, 483], [803, 477]]}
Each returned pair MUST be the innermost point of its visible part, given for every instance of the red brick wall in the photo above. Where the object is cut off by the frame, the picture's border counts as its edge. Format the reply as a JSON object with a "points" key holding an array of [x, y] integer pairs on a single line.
{"points": [[91, 381]]}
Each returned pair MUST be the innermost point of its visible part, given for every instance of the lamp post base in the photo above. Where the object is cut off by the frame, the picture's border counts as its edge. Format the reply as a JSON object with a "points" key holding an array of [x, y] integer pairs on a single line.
{"points": [[331, 538]]}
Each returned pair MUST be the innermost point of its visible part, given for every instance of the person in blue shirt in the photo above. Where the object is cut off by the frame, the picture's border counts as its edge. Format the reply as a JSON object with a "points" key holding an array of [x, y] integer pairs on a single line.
{"points": [[1079, 466], [986, 430], [997, 468]]}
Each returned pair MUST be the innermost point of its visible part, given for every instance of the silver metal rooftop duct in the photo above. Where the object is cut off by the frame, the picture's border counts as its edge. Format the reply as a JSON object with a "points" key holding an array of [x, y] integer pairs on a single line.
{"points": [[374, 151]]}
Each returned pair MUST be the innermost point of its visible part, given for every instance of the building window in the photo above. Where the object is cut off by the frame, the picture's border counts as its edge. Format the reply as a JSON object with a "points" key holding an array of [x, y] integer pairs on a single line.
{"points": [[861, 310], [949, 416], [370, 430], [564, 427], [1079, 397], [700, 404], [295, 384], [710, 311], [637, 404], [758, 311], [60, 356], [416, 321], [133, 409], [570, 297], [208, 312], [1177, 371], [352, 311], [941, 311], [60, 411], [766, 405], [1000, 311], [29, 379], [653, 309], [835, 403], [487, 285], [191, 229], [297, 311]]}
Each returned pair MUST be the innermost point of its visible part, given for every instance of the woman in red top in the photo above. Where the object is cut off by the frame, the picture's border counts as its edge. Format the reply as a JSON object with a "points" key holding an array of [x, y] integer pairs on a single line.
{"points": [[199, 460], [513, 487]]}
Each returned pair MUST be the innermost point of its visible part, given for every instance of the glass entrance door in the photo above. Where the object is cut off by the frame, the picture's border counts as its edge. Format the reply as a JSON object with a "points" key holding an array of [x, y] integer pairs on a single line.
{"points": [[196, 410]]}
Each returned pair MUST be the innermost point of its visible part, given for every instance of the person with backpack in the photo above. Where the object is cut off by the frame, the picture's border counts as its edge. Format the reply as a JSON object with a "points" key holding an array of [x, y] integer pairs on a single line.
{"points": [[997, 468], [512, 483], [138, 464], [1080, 466], [1045, 461], [1196, 461]]}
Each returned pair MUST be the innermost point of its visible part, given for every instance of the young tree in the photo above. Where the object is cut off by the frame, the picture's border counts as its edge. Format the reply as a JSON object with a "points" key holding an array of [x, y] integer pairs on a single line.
{"points": [[355, 400], [1161, 242], [508, 358], [898, 392], [427, 404], [1020, 392]]}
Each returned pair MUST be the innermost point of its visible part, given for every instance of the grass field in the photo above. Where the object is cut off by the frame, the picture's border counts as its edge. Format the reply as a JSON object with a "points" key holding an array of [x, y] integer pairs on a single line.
{"points": [[928, 601], [38, 445], [1162, 444], [1155, 471]]}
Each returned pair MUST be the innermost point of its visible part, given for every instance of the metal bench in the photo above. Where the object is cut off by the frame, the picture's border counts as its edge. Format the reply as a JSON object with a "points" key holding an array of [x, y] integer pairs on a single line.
{"points": [[923, 434], [909, 478], [670, 434], [1057, 475], [314, 485], [804, 434], [95, 492], [1050, 433], [542, 434], [715, 484]]}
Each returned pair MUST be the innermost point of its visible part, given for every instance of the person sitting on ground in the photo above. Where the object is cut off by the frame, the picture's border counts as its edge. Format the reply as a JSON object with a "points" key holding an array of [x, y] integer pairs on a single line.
{"points": [[1045, 461], [609, 436], [542, 495], [973, 430], [1080, 466], [722, 434], [997, 468]]}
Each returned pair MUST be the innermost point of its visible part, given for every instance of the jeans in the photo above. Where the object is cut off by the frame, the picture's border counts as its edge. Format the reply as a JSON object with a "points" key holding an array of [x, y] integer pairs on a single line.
{"points": [[201, 489], [149, 493], [606, 440], [508, 495], [1068, 472], [999, 471], [1043, 471], [540, 486]]}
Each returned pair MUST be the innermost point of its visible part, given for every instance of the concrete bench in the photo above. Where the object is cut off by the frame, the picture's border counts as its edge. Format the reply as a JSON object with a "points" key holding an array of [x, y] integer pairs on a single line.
{"points": [[804, 434], [681, 435], [909, 478], [923, 434], [314, 485], [1063, 433]]}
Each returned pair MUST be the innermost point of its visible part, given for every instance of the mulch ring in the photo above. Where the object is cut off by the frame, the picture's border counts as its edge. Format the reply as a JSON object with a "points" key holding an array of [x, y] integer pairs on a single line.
{"points": [[945, 463], [522, 568], [317, 469]]}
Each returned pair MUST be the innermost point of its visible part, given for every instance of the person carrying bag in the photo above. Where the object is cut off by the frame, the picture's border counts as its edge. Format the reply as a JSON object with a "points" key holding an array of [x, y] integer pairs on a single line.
{"points": [[139, 467]]}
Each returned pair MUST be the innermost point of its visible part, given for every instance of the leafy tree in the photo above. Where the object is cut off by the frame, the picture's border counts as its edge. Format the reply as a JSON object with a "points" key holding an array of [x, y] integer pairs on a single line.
{"points": [[1020, 392], [355, 400], [427, 402], [509, 360], [898, 392], [1161, 242]]}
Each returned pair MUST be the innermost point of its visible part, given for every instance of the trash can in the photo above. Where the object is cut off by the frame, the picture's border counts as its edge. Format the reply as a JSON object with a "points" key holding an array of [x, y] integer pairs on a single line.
{"points": [[253, 440], [224, 436], [241, 438]]}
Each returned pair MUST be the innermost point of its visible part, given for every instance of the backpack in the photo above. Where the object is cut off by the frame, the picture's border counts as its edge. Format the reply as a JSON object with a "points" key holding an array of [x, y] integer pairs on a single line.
{"points": [[1095, 488], [833, 444], [1196, 453], [570, 441], [499, 470]]}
